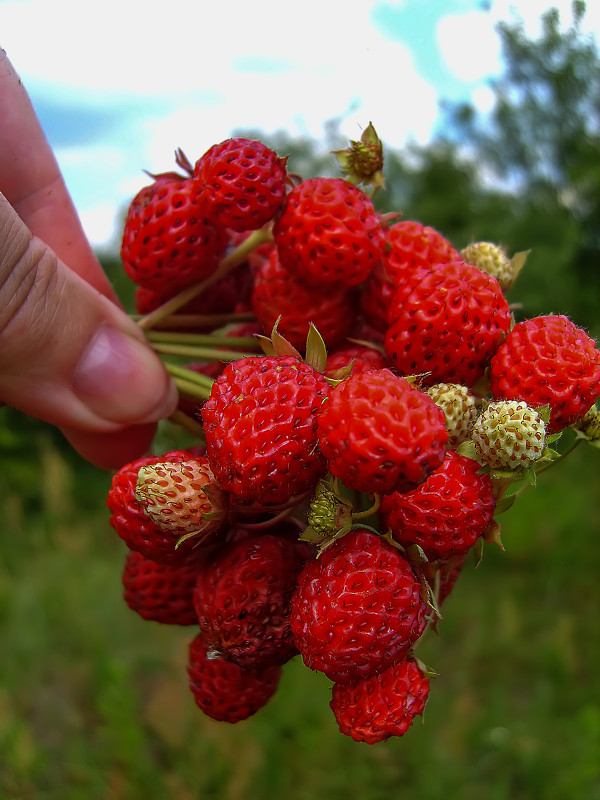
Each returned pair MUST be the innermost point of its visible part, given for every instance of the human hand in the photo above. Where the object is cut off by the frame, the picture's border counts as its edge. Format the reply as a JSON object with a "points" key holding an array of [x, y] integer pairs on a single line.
{"points": [[69, 354]]}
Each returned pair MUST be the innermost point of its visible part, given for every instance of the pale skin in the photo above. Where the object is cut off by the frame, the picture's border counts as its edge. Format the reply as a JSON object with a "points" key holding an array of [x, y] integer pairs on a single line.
{"points": [[69, 355]]}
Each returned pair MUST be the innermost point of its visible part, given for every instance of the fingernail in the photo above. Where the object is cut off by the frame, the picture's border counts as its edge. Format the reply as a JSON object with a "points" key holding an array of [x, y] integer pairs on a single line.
{"points": [[122, 380]]}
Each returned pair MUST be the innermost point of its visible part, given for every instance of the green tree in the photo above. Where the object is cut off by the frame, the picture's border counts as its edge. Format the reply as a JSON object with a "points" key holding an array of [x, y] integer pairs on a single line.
{"points": [[541, 141]]}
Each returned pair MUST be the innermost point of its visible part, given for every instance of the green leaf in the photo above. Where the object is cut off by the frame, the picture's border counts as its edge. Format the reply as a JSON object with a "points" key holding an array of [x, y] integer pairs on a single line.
{"points": [[316, 352]]}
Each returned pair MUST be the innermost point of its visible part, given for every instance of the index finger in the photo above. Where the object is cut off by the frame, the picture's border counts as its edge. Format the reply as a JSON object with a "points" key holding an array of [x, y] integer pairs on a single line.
{"points": [[31, 181]]}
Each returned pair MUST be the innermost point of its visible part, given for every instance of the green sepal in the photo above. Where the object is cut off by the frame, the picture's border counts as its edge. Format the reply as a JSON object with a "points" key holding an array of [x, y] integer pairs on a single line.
{"points": [[429, 598], [427, 671], [341, 374], [492, 534], [185, 537], [362, 161], [517, 262], [548, 454], [583, 435], [415, 554], [309, 534], [316, 352], [281, 345], [468, 449], [544, 413], [276, 344], [508, 474], [477, 551], [266, 344], [504, 504], [366, 343]]}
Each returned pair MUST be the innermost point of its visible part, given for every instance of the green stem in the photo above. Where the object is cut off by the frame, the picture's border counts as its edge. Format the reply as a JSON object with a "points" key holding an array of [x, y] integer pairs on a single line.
{"points": [[369, 511], [203, 339], [199, 353], [191, 389], [200, 321], [188, 375], [183, 421], [227, 264]]}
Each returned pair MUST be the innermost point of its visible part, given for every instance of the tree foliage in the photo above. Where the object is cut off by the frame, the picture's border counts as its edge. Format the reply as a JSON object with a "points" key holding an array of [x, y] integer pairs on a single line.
{"points": [[526, 176], [541, 142]]}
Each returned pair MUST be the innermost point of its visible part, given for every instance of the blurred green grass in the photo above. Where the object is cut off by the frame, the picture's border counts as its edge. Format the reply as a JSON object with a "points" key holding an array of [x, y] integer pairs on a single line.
{"points": [[94, 703]]}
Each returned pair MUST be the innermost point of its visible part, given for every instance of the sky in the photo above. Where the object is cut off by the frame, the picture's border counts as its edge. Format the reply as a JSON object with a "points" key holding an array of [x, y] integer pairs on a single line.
{"points": [[119, 85]]}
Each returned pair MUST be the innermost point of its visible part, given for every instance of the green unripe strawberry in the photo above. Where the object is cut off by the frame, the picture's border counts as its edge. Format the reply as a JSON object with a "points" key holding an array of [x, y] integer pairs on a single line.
{"points": [[493, 260], [589, 425], [509, 435], [460, 407]]}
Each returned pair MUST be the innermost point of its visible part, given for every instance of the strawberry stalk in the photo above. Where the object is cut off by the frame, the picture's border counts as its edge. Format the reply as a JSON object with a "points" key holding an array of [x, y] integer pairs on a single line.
{"points": [[189, 376], [203, 321], [187, 423], [227, 264], [189, 383], [203, 340], [199, 353]]}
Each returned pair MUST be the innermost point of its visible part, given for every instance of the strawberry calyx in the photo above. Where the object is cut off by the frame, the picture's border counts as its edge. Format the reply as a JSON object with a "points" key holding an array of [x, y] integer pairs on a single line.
{"points": [[277, 345], [333, 513], [362, 161]]}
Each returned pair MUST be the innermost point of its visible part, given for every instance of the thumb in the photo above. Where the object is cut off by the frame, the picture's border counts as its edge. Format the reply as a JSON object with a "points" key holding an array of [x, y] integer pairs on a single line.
{"points": [[68, 355]]}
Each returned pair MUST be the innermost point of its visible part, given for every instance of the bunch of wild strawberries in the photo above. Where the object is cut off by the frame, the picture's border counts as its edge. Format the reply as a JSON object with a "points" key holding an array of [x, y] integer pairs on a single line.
{"points": [[362, 405]]}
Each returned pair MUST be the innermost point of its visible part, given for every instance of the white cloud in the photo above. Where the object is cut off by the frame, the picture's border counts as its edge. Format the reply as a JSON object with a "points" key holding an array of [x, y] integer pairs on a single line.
{"points": [[483, 98], [182, 62], [201, 70], [469, 45]]}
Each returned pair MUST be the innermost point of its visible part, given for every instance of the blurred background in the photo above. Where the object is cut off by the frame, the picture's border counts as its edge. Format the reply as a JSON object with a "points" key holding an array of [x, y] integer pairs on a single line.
{"points": [[490, 116]]}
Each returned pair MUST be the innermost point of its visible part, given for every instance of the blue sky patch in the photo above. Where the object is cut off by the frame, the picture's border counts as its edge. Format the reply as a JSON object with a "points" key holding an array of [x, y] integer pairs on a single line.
{"points": [[414, 24]]}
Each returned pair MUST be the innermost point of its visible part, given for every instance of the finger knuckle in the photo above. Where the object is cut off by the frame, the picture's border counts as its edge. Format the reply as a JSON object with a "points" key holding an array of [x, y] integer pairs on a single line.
{"points": [[28, 282]]}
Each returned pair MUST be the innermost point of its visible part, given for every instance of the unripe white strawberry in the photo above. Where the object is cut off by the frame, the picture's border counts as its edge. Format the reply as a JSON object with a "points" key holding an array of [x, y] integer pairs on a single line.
{"points": [[493, 260], [460, 407], [589, 425], [183, 497], [509, 435]]}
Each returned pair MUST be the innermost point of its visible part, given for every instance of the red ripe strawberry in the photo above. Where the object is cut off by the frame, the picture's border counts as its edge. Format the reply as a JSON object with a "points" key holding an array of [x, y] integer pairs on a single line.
{"points": [[548, 360], [261, 429], [380, 434], [242, 599], [225, 691], [444, 515], [278, 293], [383, 705], [446, 322], [159, 592], [329, 233], [361, 357], [133, 526], [410, 245], [357, 608], [169, 242], [243, 181]]}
